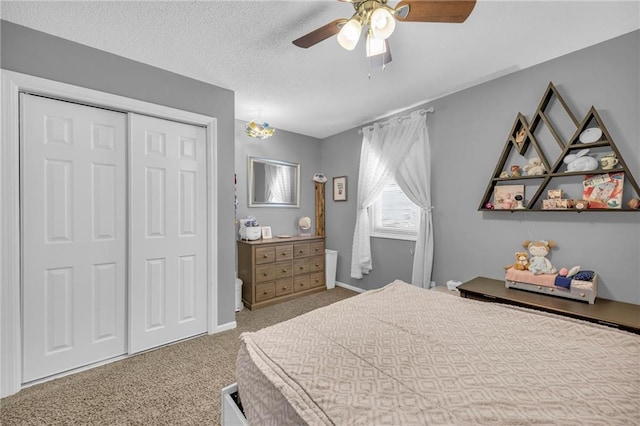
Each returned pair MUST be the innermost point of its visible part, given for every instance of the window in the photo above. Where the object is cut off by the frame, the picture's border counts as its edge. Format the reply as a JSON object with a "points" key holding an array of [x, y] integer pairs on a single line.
{"points": [[393, 215]]}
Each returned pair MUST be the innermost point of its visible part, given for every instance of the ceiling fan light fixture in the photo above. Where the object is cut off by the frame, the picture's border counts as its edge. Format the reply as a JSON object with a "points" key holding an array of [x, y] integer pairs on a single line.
{"points": [[375, 46], [382, 23], [350, 34]]}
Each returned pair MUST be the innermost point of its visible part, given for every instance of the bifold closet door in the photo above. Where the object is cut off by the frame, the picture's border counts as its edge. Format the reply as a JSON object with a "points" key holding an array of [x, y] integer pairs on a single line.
{"points": [[168, 232], [73, 194]]}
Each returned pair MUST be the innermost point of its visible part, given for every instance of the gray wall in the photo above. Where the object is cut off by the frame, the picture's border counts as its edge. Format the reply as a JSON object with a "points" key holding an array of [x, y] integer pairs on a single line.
{"points": [[283, 146], [468, 131], [32, 52]]}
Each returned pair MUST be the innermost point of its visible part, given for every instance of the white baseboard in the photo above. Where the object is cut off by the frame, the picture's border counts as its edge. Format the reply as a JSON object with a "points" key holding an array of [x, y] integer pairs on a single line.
{"points": [[224, 327], [350, 287]]}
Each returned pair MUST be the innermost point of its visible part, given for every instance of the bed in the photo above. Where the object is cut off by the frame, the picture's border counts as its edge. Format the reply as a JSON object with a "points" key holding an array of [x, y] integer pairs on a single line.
{"points": [[402, 355]]}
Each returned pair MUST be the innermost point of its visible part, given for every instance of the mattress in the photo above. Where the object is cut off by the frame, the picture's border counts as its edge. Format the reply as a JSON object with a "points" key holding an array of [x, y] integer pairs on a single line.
{"points": [[405, 355]]}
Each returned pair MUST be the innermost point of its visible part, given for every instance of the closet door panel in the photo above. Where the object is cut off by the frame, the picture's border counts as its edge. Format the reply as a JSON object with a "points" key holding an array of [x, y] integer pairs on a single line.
{"points": [[73, 195], [168, 267]]}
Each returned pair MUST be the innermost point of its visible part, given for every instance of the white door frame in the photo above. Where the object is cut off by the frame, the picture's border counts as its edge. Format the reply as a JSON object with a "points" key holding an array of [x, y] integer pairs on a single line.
{"points": [[10, 274]]}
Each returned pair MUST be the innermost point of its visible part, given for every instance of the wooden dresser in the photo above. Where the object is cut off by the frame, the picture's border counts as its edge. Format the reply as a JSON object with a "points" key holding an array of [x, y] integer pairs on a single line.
{"points": [[279, 269]]}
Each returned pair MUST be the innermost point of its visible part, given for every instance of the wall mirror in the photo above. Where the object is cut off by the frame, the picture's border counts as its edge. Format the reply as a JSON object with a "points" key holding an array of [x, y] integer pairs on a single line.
{"points": [[273, 183]]}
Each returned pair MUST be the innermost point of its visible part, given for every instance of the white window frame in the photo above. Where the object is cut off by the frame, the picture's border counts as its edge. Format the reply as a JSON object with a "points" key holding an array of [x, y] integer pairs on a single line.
{"points": [[378, 231]]}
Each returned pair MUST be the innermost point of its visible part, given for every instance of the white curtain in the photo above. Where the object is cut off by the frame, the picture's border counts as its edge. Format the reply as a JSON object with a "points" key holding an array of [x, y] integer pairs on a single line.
{"points": [[384, 148], [414, 178]]}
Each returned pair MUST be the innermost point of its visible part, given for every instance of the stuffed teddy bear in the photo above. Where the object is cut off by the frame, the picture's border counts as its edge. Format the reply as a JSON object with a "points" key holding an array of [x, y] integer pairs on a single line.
{"points": [[534, 167], [521, 263], [538, 263]]}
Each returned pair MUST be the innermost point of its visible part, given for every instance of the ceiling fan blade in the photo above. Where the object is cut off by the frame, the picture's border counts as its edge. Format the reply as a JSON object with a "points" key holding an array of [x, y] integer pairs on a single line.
{"points": [[320, 34], [455, 11]]}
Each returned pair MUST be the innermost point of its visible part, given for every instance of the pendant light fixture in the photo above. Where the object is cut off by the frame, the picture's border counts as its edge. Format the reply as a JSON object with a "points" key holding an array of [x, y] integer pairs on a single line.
{"points": [[259, 129]]}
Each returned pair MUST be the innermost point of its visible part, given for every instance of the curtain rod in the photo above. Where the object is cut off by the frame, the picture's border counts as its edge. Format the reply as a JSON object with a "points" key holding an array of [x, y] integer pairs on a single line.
{"points": [[422, 112]]}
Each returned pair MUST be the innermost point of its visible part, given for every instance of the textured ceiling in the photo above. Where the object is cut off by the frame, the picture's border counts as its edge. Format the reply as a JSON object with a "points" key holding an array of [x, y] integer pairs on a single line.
{"points": [[246, 46]]}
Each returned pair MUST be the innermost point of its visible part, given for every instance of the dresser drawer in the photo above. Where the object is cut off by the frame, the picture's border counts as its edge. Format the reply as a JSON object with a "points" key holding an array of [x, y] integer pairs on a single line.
{"points": [[283, 269], [316, 280], [265, 255], [284, 252], [265, 273], [301, 266], [300, 283], [316, 248], [301, 250], [265, 291], [316, 264], [284, 286]]}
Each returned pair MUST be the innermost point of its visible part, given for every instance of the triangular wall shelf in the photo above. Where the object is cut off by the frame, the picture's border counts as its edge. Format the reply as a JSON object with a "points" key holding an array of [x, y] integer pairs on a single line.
{"points": [[522, 141]]}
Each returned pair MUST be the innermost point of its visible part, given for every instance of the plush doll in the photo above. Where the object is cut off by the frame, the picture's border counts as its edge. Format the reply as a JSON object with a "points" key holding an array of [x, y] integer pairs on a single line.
{"points": [[538, 263], [534, 167], [521, 263]]}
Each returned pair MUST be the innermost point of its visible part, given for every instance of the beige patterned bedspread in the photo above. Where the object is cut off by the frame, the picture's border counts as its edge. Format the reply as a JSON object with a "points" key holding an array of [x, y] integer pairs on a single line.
{"points": [[402, 355]]}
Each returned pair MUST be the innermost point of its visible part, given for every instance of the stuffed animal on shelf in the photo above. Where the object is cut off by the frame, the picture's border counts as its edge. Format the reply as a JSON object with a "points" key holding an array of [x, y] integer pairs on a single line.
{"points": [[521, 263], [538, 262], [534, 167]]}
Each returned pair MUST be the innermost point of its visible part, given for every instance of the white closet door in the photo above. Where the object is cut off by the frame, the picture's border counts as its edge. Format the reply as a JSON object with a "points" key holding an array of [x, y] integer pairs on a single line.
{"points": [[73, 192], [168, 231]]}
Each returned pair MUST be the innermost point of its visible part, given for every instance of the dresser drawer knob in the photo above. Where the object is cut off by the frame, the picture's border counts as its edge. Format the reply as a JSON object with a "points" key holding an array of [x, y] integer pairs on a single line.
{"points": [[301, 251], [284, 287], [317, 264], [266, 292], [284, 270], [266, 274], [301, 268], [582, 294], [265, 256], [284, 253], [301, 284]]}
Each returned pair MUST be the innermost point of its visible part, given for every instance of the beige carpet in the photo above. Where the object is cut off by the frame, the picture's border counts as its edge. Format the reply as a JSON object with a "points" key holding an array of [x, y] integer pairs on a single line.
{"points": [[175, 385]]}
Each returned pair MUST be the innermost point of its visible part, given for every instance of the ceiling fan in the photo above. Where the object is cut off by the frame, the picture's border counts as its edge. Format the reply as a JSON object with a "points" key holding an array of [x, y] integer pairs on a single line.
{"points": [[381, 21]]}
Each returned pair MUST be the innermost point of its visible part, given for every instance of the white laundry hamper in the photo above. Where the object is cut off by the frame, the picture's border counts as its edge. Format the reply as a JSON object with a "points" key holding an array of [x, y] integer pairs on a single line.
{"points": [[239, 304], [331, 263]]}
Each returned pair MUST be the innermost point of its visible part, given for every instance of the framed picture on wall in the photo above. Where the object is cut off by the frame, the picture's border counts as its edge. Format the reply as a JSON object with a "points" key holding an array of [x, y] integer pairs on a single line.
{"points": [[340, 188]]}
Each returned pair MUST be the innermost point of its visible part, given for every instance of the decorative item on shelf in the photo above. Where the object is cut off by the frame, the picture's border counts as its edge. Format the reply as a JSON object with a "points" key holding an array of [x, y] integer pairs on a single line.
{"points": [[520, 138], [604, 191], [554, 194], [504, 196], [515, 170], [538, 263], [489, 206], [504, 174], [319, 177], [340, 188], [634, 204], [590, 135], [266, 233], [534, 167], [608, 161], [519, 202], [304, 226], [556, 202], [256, 129], [521, 262], [250, 230], [580, 162], [581, 204]]}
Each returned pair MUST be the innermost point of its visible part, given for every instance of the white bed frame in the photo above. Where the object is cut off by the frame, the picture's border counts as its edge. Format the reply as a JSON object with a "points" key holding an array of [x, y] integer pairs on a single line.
{"points": [[231, 414]]}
